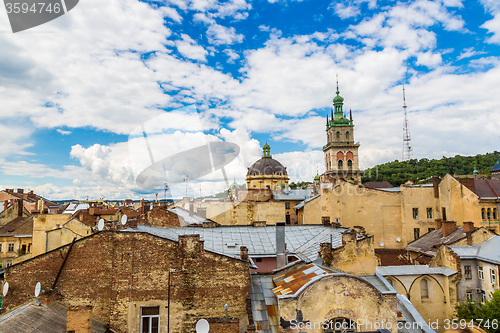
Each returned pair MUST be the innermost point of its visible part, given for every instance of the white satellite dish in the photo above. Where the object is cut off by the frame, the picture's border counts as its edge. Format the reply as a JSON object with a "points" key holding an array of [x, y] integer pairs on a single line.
{"points": [[124, 219], [5, 288], [38, 287], [100, 224], [381, 243], [202, 326], [186, 206], [398, 239]]}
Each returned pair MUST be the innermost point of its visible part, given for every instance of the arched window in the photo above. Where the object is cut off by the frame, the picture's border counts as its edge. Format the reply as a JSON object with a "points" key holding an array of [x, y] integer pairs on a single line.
{"points": [[349, 164], [340, 325], [338, 135], [424, 289], [347, 135], [483, 215], [494, 213], [340, 164], [488, 214]]}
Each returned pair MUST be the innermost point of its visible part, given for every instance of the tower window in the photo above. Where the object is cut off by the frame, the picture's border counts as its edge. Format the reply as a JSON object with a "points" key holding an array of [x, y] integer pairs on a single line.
{"points": [[338, 135], [340, 164], [483, 215], [349, 164], [488, 214], [347, 135]]}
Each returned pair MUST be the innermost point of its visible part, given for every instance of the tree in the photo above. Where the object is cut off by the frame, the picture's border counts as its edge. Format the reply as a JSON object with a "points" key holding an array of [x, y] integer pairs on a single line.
{"points": [[487, 311]]}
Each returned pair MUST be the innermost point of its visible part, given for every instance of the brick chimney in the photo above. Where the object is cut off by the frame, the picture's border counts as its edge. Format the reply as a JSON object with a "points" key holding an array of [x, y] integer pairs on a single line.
{"points": [[20, 190], [468, 227], [244, 253], [79, 319], [20, 207], [326, 252], [449, 227], [439, 223]]}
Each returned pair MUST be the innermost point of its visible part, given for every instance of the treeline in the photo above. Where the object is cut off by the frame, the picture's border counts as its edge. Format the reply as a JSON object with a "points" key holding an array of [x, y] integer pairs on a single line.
{"points": [[421, 171]]}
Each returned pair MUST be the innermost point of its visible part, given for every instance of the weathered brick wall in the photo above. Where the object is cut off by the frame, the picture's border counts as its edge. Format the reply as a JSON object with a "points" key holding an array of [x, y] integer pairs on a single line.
{"points": [[161, 217], [112, 270], [79, 319], [231, 325]]}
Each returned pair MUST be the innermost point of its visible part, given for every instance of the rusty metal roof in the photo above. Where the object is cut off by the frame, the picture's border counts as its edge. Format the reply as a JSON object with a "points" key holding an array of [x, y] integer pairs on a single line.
{"points": [[290, 282]]}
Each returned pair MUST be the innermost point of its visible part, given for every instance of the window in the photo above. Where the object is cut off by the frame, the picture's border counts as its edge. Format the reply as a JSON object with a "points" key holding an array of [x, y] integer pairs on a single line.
{"points": [[467, 272], [493, 276], [340, 164], [416, 233], [325, 220], [340, 325], [483, 214], [9, 263], [415, 213], [349, 164], [430, 229], [11, 247], [347, 135], [424, 289], [469, 296], [480, 274], [494, 213], [287, 205], [150, 319], [338, 135], [0, 247], [488, 214], [429, 213], [483, 295]]}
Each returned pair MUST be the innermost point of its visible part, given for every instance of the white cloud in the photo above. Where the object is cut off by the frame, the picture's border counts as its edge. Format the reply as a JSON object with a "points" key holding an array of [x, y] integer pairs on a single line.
{"points": [[493, 27], [63, 132], [429, 59], [190, 49], [220, 35], [344, 11]]}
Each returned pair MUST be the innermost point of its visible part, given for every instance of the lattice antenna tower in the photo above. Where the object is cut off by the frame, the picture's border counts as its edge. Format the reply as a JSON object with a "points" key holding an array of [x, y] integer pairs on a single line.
{"points": [[406, 132]]}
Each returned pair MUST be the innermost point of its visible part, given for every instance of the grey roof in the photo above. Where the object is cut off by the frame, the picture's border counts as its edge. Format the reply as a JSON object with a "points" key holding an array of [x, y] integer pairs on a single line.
{"points": [[433, 239], [37, 318], [189, 219], [292, 195], [302, 240], [414, 270], [300, 205], [74, 207], [487, 251]]}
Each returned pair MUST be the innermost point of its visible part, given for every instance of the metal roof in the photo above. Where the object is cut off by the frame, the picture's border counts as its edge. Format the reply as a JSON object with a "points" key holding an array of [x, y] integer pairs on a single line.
{"points": [[414, 270], [300, 205], [74, 207], [292, 195], [487, 251], [303, 240], [189, 219]]}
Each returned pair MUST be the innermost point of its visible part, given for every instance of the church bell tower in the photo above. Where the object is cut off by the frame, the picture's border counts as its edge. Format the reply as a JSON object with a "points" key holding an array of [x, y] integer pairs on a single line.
{"points": [[341, 152]]}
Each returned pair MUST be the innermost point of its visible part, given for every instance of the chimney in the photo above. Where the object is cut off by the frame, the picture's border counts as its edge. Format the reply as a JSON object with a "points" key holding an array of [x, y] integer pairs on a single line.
{"points": [[5, 204], [244, 253], [281, 259], [20, 207], [435, 184], [191, 208], [326, 252], [449, 227], [348, 236], [439, 223], [468, 227], [20, 190], [79, 319]]}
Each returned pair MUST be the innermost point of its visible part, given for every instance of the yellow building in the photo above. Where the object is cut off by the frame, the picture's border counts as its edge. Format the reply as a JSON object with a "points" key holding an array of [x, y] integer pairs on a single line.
{"points": [[267, 173], [341, 152]]}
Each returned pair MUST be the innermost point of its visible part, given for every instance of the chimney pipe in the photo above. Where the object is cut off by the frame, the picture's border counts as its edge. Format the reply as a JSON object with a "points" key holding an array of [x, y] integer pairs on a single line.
{"points": [[281, 259], [449, 227], [468, 227], [439, 223]]}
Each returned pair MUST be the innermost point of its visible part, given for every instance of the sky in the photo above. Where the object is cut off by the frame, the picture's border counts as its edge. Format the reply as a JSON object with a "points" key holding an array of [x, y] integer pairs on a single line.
{"points": [[114, 90]]}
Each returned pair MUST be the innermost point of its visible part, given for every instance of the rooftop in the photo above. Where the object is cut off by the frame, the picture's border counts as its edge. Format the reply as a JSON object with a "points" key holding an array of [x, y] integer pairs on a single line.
{"points": [[486, 251], [19, 227], [414, 270]]}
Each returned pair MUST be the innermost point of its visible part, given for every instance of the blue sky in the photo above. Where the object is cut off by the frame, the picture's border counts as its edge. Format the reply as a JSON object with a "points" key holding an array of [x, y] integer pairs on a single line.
{"points": [[74, 90]]}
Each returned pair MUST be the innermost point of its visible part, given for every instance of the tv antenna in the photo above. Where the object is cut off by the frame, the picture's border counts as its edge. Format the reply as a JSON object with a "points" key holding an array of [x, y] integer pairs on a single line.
{"points": [[406, 132]]}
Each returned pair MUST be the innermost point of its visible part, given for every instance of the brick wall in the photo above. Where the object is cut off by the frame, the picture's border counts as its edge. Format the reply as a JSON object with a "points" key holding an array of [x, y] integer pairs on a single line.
{"points": [[79, 319], [220, 325], [115, 272]]}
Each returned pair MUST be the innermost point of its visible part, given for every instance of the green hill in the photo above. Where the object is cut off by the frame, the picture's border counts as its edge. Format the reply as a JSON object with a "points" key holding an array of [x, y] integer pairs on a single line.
{"points": [[421, 171]]}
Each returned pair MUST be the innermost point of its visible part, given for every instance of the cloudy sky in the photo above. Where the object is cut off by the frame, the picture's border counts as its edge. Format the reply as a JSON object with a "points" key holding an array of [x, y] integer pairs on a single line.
{"points": [[91, 100]]}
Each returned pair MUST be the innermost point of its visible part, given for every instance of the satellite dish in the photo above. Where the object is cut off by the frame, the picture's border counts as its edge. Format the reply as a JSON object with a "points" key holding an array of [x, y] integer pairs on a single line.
{"points": [[100, 225], [38, 287], [5, 288], [381, 243], [186, 206], [398, 239], [202, 326], [124, 219]]}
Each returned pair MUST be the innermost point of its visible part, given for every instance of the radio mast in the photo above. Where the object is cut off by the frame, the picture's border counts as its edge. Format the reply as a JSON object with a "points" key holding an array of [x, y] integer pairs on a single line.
{"points": [[406, 133]]}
